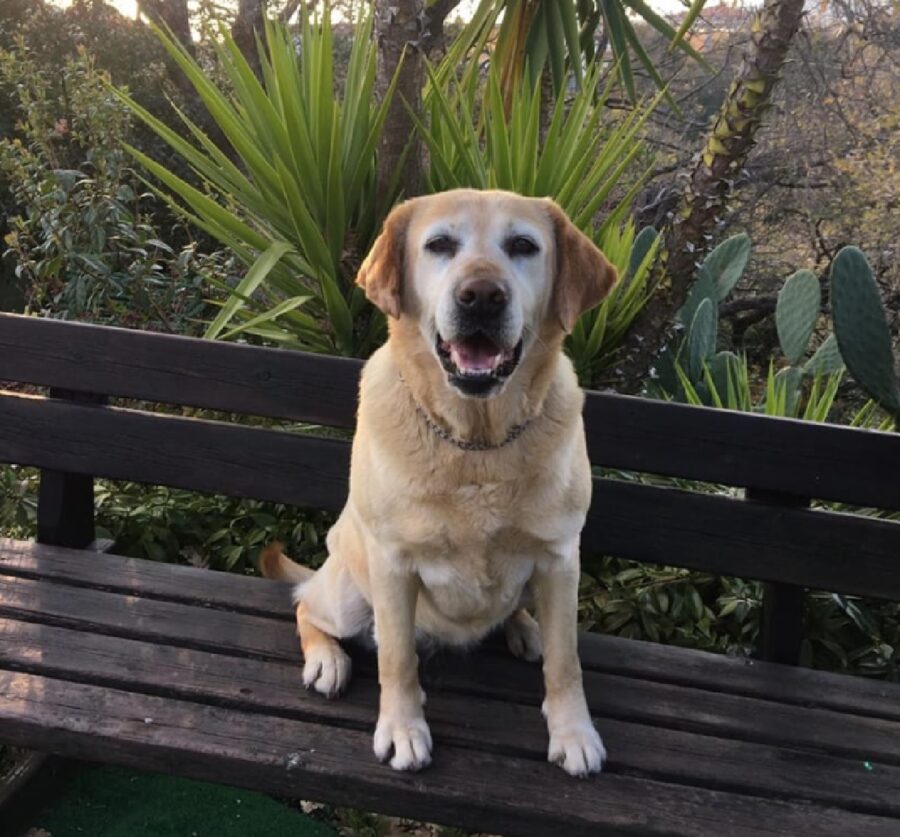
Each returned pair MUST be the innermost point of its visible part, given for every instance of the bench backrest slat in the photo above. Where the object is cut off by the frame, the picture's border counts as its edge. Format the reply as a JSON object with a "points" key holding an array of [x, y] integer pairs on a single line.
{"points": [[775, 540], [631, 520], [807, 459], [817, 461], [230, 377], [199, 455]]}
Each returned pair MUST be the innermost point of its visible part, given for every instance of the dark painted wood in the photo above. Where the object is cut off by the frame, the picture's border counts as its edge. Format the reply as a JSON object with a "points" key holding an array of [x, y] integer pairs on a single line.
{"points": [[830, 551], [680, 707], [812, 460], [65, 513], [214, 457], [482, 724], [739, 676], [487, 675], [147, 619], [65, 509], [781, 622], [148, 579], [813, 548], [230, 377], [806, 459], [613, 655], [311, 761]]}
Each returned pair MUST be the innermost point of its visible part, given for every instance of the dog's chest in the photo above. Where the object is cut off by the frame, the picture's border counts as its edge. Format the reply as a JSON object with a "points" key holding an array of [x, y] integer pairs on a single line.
{"points": [[472, 553]]}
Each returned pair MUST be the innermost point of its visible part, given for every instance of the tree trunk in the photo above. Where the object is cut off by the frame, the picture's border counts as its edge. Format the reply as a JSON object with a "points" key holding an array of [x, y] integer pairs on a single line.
{"points": [[398, 35], [247, 26], [171, 13], [709, 186]]}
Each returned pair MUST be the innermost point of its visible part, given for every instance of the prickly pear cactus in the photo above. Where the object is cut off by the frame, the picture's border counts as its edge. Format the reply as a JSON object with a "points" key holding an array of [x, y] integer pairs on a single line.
{"points": [[826, 361], [799, 301], [726, 263], [861, 327], [701, 339], [643, 242]]}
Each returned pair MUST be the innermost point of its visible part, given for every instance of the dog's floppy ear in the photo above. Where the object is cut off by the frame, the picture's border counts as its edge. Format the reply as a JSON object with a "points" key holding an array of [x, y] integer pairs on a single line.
{"points": [[584, 276], [381, 274]]}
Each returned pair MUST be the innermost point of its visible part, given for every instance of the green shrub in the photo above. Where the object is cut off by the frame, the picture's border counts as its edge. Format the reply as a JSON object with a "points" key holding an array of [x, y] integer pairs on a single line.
{"points": [[83, 240], [175, 526]]}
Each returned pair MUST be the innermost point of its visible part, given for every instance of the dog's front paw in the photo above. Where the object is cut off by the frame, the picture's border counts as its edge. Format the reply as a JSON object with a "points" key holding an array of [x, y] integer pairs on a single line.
{"points": [[577, 748], [326, 668], [407, 737]]}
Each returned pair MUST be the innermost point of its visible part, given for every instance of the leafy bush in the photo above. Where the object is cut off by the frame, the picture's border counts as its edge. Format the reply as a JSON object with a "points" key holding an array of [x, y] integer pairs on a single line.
{"points": [[84, 244], [170, 525]]}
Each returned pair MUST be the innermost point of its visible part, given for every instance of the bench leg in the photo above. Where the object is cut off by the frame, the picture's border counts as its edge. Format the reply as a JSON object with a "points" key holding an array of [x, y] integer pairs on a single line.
{"points": [[781, 626]]}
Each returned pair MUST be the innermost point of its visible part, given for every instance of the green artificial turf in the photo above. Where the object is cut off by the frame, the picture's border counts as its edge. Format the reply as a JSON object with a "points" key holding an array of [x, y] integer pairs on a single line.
{"points": [[113, 802]]}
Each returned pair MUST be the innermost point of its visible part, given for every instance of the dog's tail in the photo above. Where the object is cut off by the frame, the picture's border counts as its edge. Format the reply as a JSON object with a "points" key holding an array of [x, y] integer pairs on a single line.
{"points": [[273, 563]]}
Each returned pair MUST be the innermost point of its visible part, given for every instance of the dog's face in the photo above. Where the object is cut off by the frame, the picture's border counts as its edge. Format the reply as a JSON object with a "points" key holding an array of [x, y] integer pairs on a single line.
{"points": [[482, 274]]}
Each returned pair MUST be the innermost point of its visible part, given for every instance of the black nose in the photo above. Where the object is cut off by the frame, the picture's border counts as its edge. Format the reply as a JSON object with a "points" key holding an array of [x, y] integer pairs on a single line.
{"points": [[481, 297]]}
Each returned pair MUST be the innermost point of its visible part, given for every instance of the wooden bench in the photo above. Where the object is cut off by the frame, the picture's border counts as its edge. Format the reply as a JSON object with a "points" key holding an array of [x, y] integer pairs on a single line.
{"points": [[197, 673]]}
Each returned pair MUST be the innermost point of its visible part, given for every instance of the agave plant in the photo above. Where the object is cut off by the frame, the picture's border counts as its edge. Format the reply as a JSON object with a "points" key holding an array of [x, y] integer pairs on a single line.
{"points": [[292, 194]]}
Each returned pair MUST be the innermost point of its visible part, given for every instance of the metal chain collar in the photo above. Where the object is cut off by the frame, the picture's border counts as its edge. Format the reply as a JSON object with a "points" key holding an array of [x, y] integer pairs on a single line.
{"points": [[514, 432]]}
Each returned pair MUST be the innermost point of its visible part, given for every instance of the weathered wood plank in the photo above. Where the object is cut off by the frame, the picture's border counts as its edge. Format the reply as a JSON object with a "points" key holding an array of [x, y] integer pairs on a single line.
{"points": [[148, 579], [740, 676], [484, 724], [207, 456], [230, 377], [823, 550], [630, 658], [820, 461], [311, 761], [813, 460], [147, 619], [839, 552], [487, 675], [680, 707]]}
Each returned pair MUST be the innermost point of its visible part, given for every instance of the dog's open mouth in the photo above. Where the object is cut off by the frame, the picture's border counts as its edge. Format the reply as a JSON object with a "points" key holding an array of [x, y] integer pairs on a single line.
{"points": [[478, 358]]}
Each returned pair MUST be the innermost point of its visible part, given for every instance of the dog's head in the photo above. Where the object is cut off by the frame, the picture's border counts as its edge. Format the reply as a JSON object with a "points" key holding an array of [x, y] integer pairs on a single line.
{"points": [[482, 274]]}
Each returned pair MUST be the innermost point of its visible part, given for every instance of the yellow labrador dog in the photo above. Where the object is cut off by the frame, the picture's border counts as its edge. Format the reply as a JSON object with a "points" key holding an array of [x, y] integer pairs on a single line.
{"points": [[470, 480]]}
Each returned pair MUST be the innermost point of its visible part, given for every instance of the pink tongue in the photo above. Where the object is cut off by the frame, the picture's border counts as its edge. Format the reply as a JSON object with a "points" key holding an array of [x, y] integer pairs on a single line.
{"points": [[475, 353]]}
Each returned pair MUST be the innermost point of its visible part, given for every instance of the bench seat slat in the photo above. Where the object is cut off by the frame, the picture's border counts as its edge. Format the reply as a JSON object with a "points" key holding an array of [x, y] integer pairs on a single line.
{"points": [[479, 723], [487, 674], [300, 759], [150, 579], [630, 658]]}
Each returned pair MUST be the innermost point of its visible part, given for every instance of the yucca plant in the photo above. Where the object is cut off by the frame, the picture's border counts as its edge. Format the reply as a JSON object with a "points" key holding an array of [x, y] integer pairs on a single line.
{"points": [[728, 385], [579, 161], [525, 36], [293, 193]]}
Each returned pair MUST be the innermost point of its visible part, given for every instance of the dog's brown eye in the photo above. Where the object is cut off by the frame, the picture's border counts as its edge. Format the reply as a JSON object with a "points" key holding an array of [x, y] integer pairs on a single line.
{"points": [[520, 245], [442, 245]]}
